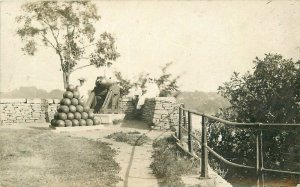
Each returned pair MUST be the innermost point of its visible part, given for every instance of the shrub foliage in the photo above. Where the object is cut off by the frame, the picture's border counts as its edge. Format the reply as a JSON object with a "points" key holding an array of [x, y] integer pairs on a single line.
{"points": [[269, 94]]}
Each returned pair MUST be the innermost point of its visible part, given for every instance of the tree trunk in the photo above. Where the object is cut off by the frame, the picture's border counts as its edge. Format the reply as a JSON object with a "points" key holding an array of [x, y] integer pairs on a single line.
{"points": [[66, 77]]}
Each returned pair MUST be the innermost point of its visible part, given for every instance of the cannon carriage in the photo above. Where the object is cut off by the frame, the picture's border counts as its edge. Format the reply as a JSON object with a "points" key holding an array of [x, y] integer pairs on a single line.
{"points": [[104, 98]]}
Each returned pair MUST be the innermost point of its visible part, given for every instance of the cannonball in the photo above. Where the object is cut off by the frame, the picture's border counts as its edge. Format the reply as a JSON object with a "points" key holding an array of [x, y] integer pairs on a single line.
{"points": [[77, 115], [74, 101], [65, 101], [89, 122], [68, 123], [61, 101], [70, 116], [70, 88], [53, 122], [79, 108], [86, 109], [63, 108], [81, 102], [82, 122], [76, 94], [84, 115], [96, 121], [56, 115], [62, 116], [75, 122], [72, 108], [68, 94], [91, 115], [60, 123]]}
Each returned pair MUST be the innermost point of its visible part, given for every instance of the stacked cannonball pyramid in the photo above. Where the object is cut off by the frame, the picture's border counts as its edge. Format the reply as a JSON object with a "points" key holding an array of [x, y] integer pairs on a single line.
{"points": [[72, 111]]}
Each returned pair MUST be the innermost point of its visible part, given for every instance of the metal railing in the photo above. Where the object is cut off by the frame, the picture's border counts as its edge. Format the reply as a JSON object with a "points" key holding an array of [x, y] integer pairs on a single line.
{"points": [[187, 121]]}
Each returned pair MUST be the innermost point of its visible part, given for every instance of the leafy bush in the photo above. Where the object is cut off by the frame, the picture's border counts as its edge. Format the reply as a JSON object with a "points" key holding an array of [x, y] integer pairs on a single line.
{"points": [[169, 163], [268, 95]]}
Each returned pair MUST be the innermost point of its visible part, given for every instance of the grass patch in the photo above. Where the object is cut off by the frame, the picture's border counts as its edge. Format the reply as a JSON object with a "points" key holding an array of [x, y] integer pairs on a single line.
{"points": [[134, 138], [169, 163], [117, 121], [42, 158]]}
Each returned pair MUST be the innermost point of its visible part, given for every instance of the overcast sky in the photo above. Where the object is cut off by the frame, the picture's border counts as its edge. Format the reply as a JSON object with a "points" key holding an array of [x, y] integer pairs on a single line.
{"points": [[206, 40]]}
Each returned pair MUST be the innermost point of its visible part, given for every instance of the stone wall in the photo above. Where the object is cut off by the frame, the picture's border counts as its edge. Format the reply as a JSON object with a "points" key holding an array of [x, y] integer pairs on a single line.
{"points": [[41, 110], [26, 110], [160, 112], [127, 107]]}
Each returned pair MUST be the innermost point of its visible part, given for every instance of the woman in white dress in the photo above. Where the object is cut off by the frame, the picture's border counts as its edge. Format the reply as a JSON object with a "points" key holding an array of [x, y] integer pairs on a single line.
{"points": [[152, 91]]}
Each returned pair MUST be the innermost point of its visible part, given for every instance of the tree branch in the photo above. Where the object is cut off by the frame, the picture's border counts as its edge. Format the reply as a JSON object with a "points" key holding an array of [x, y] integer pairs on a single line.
{"points": [[81, 67], [57, 33], [55, 38], [49, 42], [58, 50], [88, 46]]}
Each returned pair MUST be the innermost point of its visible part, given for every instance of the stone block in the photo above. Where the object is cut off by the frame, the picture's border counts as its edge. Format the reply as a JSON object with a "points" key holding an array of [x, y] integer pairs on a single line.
{"points": [[165, 112], [10, 101], [9, 108], [109, 118], [157, 116], [165, 99], [35, 101], [155, 121], [40, 120], [159, 107], [49, 101], [4, 117], [36, 115], [7, 123], [126, 99]]}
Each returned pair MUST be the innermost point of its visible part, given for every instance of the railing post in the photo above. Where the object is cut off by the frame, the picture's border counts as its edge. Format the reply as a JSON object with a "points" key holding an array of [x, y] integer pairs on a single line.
{"points": [[204, 153], [259, 159], [184, 118], [190, 141], [179, 123]]}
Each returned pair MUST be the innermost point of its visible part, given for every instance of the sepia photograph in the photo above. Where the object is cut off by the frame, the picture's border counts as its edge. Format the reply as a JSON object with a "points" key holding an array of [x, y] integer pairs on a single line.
{"points": [[171, 93]]}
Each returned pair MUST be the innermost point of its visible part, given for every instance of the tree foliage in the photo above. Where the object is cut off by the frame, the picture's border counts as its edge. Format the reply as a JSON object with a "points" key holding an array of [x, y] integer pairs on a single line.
{"points": [[268, 95], [125, 84], [68, 28], [167, 84]]}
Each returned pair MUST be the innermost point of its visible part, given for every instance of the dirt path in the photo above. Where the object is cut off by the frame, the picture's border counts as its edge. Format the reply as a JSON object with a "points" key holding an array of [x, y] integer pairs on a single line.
{"points": [[134, 160]]}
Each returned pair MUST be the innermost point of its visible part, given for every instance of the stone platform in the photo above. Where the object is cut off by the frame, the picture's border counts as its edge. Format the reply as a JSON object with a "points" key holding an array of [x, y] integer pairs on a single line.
{"points": [[77, 128], [109, 118]]}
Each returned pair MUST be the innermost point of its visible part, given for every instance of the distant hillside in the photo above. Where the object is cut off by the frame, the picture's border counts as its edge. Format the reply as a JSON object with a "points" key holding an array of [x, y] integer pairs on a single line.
{"points": [[205, 102], [32, 92]]}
